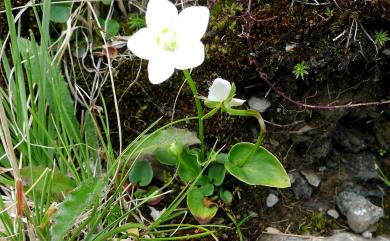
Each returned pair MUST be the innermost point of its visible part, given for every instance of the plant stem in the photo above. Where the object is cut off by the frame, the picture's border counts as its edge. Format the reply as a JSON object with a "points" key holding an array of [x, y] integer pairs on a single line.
{"points": [[261, 136], [199, 110]]}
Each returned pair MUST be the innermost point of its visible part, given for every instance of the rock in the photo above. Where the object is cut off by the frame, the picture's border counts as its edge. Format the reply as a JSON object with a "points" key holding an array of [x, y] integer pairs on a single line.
{"points": [[259, 104], [350, 140], [333, 213], [301, 188], [311, 177], [361, 166], [336, 237], [360, 212], [363, 191], [352, 237], [272, 200]]}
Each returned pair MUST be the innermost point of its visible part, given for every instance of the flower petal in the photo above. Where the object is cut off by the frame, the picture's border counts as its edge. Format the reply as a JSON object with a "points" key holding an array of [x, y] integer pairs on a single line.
{"points": [[192, 22], [189, 55], [160, 14], [236, 102], [141, 44], [159, 70], [219, 90]]}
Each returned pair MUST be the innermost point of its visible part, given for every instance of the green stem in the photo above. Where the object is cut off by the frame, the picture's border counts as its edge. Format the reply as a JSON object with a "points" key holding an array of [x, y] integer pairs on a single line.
{"points": [[210, 113], [259, 118], [199, 110]]}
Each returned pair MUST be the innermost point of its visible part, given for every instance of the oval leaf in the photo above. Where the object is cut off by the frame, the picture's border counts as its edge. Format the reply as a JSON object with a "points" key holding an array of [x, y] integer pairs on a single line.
{"points": [[216, 173], [262, 168], [226, 196], [60, 183], [59, 13], [165, 157], [112, 26], [141, 173], [189, 167], [196, 204]]}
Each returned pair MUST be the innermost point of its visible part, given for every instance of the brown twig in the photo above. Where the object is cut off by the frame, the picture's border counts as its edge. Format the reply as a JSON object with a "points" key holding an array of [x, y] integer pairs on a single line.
{"points": [[264, 77]]}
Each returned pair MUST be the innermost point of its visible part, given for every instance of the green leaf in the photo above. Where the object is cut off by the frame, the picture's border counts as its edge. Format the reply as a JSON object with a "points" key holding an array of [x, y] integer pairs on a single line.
{"points": [[74, 205], [60, 183], [91, 136], [216, 173], [112, 26], [106, 2], [226, 196], [207, 189], [165, 157], [196, 203], [260, 168], [189, 167], [203, 180], [141, 173], [161, 139], [222, 158], [59, 13]]}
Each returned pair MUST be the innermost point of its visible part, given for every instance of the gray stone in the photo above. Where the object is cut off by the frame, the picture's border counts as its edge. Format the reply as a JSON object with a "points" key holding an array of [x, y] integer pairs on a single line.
{"points": [[272, 200], [361, 166], [352, 237], [367, 234], [282, 237], [259, 104], [360, 212], [311, 177], [333, 213], [336, 237], [301, 188]]}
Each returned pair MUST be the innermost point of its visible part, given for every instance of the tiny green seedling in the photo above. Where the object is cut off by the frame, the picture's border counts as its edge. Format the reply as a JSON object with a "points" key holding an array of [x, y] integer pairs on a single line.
{"points": [[329, 12], [301, 70], [381, 37]]}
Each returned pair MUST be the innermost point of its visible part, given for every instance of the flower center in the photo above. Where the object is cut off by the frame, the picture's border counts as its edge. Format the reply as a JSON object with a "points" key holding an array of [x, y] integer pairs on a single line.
{"points": [[166, 40]]}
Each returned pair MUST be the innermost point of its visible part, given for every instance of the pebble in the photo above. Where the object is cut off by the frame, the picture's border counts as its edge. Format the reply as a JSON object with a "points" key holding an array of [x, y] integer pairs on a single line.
{"points": [[311, 177], [272, 200], [367, 234], [333, 213], [259, 104], [301, 188], [360, 212]]}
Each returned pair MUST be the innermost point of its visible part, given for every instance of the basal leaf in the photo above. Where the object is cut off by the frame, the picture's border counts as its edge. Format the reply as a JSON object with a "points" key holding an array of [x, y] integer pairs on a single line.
{"points": [[141, 173], [196, 202], [60, 182], [161, 139], [189, 167], [216, 173], [165, 157], [260, 168]]}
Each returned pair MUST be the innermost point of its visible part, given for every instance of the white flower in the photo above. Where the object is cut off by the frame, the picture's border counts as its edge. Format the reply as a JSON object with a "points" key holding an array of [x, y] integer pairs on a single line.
{"points": [[170, 40], [219, 92]]}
